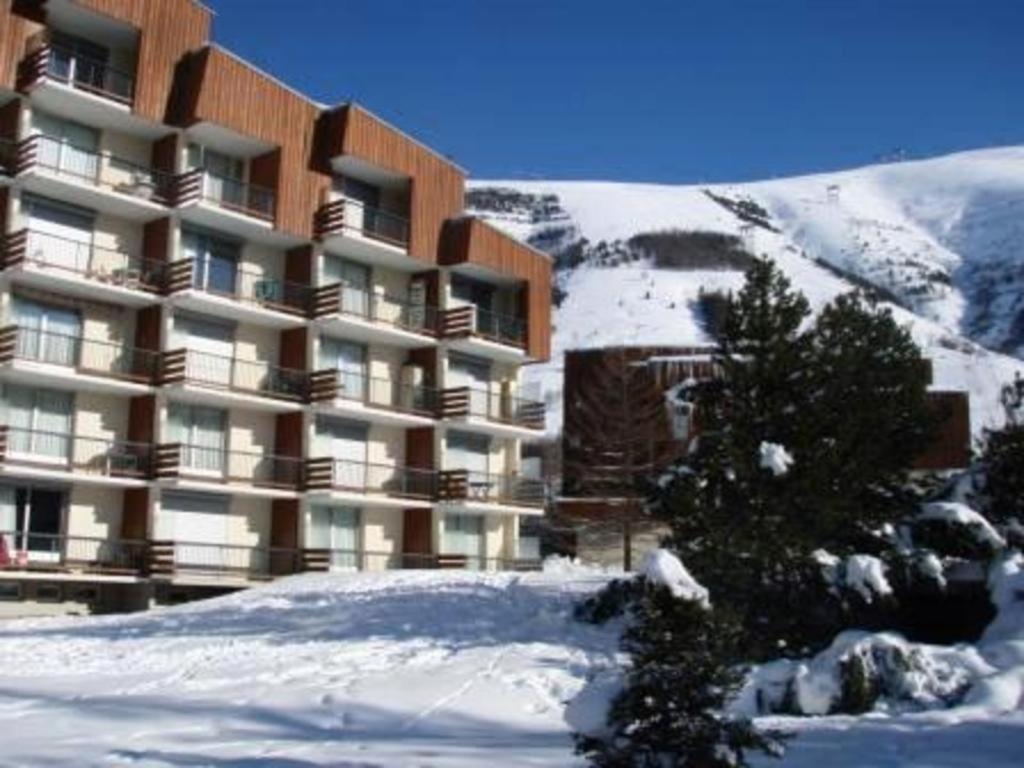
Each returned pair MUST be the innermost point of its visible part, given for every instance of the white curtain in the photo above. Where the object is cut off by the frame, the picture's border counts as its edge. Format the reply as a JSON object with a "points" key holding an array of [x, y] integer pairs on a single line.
{"points": [[475, 374], [201, 432], [51, 334], [68, 146], [336, 529], [355, 284], [345, 442], [210, 346], [59, 236], [40, 421]]}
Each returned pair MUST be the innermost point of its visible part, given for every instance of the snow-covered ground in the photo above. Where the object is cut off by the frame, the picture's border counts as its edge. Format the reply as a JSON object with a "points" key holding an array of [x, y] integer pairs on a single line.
{"points": [[378, 670], [944, 236]]}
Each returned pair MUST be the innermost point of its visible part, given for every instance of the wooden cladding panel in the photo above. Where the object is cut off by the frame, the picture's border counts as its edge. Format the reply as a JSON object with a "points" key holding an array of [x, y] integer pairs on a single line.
{"points": [[18, 22], [425, 358], [135, 514], [165, 153], [218, 88], [472, 241], [417, 534], [284, 523], [4, 205], [10, 115], [288, 434], [147, 328], [168, 30], [298, 265], [437, 186], [141, 418], [419, 447], [156, 240], [292, 353]]}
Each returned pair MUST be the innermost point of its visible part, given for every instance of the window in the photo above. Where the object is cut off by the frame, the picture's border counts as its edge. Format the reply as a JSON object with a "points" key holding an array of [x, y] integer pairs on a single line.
{"points": [[199, 524], [31, 521], [214, 259], [472, 372], [73, 59], [67, 147], [10, 591], [345, 442], [467, 291], [464, 535], [39, 422], [224, 178], [336, 529], [355, 284], [202, 434], [47, 334], [349, 359], [211, 345], [471, 452], [60, 235]]}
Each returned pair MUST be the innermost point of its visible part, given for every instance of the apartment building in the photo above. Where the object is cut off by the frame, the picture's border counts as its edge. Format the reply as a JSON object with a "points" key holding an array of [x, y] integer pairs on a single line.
{"points": [[242, 335]]}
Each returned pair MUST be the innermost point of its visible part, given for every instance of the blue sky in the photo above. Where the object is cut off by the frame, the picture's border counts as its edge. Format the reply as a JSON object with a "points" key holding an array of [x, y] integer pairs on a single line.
{"points": [[655, 90]]}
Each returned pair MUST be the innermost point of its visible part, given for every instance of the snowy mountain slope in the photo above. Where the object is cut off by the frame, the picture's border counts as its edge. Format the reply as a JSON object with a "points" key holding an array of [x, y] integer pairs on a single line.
{"points": [[385, 670], [942, 238]]}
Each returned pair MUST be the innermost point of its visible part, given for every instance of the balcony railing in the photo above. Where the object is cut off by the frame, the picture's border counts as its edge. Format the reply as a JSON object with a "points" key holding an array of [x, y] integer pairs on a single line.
{"points": [[98, 358], [196, 462], [47, 59], [362, 477], [342, 299], [187, 366], [239, 285], [370, 560], [498, 407], [473, 321], [348, 215], [467, 485], [389, 394], [22, 550], [168, 559], [75, 453], [65, 256], [200, 185], [99, 169]]}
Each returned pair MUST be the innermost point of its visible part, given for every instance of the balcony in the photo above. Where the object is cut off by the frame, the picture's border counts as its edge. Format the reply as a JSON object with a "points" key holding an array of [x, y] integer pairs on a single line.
{"points": [[369, 484], [243, 295], [497, 413], [206, 378], [247, 210], [97, 180], [369, 234], [480, 332], [320, 560], [382, 401], [81, 269], [28, 551], [50, 455], [36, 357], [8, 158], [47, 60], [370, 317], [256, 474], [185, 561], [483, 491]]}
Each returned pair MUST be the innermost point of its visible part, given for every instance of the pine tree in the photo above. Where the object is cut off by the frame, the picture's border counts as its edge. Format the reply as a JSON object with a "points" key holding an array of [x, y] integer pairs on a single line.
{"points": [[683, 673]]}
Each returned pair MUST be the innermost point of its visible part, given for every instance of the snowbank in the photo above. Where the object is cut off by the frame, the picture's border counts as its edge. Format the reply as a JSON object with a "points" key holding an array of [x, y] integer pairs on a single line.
{"points": [[956, 513]]}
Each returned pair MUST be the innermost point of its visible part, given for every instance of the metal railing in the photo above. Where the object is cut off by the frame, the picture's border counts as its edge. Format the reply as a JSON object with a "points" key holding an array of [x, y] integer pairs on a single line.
{"points": [[170, 558], [469, 485], [264, 470], [334, 559], [342, 299], [473, 321], [75, 453], [498, 407], [100, 169], [187, 366], [72, 68], [200, 184], [73, 257], [92, 356], [22, 550], [346, 214], [327, 473], [390, 394], [240, 285]]}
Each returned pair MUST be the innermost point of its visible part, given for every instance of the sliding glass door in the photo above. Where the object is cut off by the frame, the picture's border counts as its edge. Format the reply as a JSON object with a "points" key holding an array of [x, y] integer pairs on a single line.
{"points": [[39, 423], [336, 529], [202, 433], [47, 334], [31, 521], [349, 359]]}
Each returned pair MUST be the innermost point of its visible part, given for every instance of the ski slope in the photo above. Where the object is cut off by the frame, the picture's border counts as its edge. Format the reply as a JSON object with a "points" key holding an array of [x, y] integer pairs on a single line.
{"points": [[387, 670], [944, 237]]}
